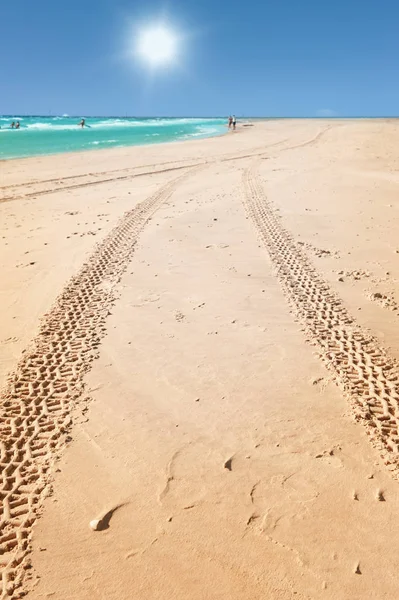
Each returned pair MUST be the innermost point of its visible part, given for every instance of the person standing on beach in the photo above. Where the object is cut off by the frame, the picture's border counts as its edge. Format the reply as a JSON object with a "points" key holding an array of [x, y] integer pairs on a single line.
{"points": [[234, 121], [230, 121]]}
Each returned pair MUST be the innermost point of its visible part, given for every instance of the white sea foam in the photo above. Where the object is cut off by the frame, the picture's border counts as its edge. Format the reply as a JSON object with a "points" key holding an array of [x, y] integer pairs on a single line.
{"points": [[202, 132], [96, 143], [114, 124], [54, 124], [50, 127], [146, 122]]}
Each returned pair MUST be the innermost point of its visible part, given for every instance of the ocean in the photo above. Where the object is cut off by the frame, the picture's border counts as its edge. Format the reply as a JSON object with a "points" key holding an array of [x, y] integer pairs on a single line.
{"points": [[52, 135]]}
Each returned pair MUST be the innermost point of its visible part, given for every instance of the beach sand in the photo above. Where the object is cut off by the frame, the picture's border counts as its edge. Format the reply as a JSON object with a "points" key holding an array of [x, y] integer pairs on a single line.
{"points": [[215, 389]]}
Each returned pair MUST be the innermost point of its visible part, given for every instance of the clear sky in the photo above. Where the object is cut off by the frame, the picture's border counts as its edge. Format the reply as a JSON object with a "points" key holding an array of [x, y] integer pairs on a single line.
{"points": [[255, 58]]}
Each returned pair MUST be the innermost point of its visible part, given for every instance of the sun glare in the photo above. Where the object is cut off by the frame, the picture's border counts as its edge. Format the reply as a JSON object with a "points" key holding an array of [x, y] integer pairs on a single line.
{"points": [[157, 45]]}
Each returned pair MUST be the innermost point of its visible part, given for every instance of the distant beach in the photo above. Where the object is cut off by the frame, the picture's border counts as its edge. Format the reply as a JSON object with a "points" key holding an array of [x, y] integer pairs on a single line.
{"points": [[53, 135]]}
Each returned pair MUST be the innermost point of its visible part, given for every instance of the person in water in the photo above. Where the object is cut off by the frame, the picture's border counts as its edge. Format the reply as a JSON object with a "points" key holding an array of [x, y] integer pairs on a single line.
{"points": [[17, 125], [12, 125], [82, 123]]}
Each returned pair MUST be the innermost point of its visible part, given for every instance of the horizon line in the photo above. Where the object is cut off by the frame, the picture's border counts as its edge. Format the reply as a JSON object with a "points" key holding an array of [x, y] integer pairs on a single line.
{"points": [[79, 116]]}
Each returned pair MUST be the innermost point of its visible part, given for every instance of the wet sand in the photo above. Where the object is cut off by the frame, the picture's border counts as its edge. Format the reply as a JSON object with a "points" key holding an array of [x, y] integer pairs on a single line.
{"points": [[216, 387]]}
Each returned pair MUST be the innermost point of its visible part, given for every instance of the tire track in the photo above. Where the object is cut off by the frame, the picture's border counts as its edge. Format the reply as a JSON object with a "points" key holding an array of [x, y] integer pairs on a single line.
{"points": [[94, 174], [369, 378], [47, 383], [260, 150], [71, 182], [311, 141], [251, 152], [95, 181]]}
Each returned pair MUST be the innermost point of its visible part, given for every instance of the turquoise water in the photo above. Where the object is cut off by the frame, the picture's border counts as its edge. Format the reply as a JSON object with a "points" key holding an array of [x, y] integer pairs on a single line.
{"points": [[52, 135]]}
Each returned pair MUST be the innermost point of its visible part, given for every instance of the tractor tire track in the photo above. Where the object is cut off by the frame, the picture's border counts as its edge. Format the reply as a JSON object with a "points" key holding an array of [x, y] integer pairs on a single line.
{"points": [[368, 377], [35, 412]]}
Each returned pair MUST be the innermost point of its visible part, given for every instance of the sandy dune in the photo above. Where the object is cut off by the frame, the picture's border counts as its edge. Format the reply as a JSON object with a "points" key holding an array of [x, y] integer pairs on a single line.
{"points": [[203, 342]]}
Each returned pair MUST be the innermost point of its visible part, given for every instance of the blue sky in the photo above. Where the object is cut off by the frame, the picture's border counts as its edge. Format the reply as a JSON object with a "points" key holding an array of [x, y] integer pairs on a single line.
{"points": [[255, 58]]}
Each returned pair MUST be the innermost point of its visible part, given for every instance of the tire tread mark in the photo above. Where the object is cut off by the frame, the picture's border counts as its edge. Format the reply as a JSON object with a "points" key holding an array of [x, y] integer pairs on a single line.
{"points": [[72, 186], [35, 413], [367, 375], [67, 183]]}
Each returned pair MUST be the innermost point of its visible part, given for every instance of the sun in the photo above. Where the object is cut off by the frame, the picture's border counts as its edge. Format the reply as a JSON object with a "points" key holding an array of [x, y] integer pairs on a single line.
{"points": [[157, 45]]}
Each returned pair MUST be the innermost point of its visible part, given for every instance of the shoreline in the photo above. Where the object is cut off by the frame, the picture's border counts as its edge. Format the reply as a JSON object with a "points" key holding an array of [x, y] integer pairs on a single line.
{"points": [[95, 149], [218, 129], [255, 120], [122, 152]]}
